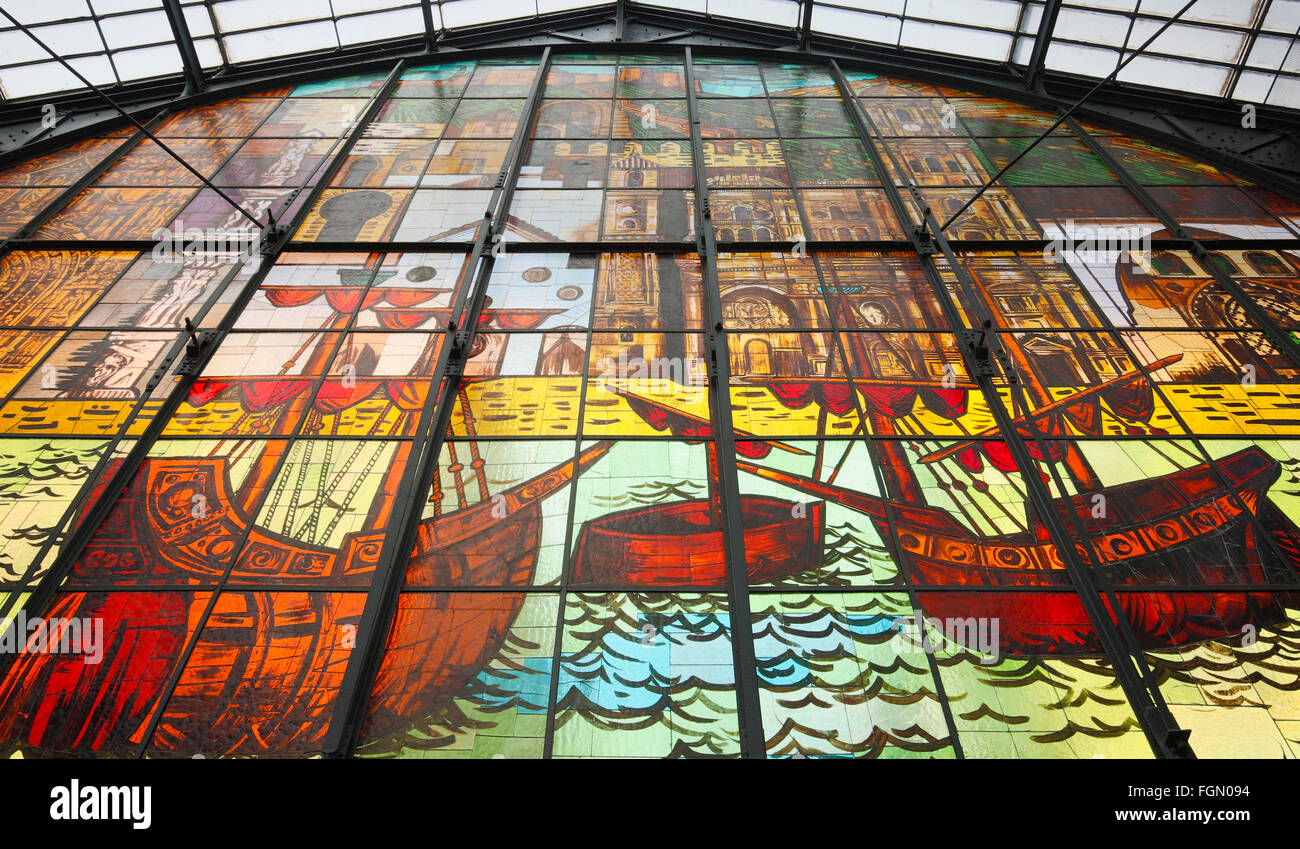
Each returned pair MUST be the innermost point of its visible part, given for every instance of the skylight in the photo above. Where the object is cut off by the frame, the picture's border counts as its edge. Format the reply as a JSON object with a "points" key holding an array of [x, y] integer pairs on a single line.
{"points": [[1237, 49]]}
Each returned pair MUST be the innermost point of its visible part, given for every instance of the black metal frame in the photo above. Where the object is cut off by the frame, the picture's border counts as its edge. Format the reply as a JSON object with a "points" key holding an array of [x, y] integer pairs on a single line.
{"points": [[719, 367], [417, 476]]}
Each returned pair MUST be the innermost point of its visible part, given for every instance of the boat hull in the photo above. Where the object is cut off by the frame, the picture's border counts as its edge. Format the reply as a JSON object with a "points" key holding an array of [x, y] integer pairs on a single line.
{"points": [[678, 544], [1181, 530]]}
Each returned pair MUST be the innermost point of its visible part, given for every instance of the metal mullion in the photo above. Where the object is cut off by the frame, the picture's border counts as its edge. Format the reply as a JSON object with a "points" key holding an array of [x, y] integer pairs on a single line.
{"points": [[748, 703], [610, 141], [45, 591], [1042, 43], [1146, 706], [557, 656], [386, 588], [108, 54], [1128, 36], [804, 224], [430, 32], [890, 519], [217, 35], [192, 67]]}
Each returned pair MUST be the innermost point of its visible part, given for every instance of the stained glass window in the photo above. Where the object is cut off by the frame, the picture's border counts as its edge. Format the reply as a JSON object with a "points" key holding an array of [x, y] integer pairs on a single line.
{"points": [[610, 405]]}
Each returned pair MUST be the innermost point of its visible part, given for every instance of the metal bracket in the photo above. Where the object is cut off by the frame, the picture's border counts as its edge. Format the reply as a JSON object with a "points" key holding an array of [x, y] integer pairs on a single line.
{"points": [[271, 240], [194, 350], [460, 343], [924, 241], [975, 348], [1175, 742]]}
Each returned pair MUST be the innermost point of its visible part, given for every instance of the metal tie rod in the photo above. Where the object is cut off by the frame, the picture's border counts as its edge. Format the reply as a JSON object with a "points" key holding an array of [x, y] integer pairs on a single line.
{"points": [[111, 102], [1067, 114]]}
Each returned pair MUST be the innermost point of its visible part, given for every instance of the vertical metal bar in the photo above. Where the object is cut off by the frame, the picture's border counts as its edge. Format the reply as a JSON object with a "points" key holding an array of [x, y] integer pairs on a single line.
{"points": [[1149, 708], [430, 31], [1042, 42], [805, 26], [194, 81], [748, 706], [422, 465]]}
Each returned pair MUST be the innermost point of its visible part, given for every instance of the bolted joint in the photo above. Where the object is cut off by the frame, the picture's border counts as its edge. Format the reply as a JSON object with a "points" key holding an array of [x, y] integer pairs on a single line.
{"points": [[976, 350]]}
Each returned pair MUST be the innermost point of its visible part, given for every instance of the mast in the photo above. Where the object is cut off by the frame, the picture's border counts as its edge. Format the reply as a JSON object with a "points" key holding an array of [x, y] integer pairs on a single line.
{"points": [[265, 465], [900, 480]]}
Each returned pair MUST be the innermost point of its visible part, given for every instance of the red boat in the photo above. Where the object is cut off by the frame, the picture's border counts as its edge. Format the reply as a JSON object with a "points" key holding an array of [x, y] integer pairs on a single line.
{"points": [[1172, 530], [681, 544]]}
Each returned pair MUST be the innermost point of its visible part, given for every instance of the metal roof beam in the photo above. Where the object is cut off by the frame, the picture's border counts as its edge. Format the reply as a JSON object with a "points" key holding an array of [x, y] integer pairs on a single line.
{"points": [[192, 67], [430, 31], [1046, 27]]}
